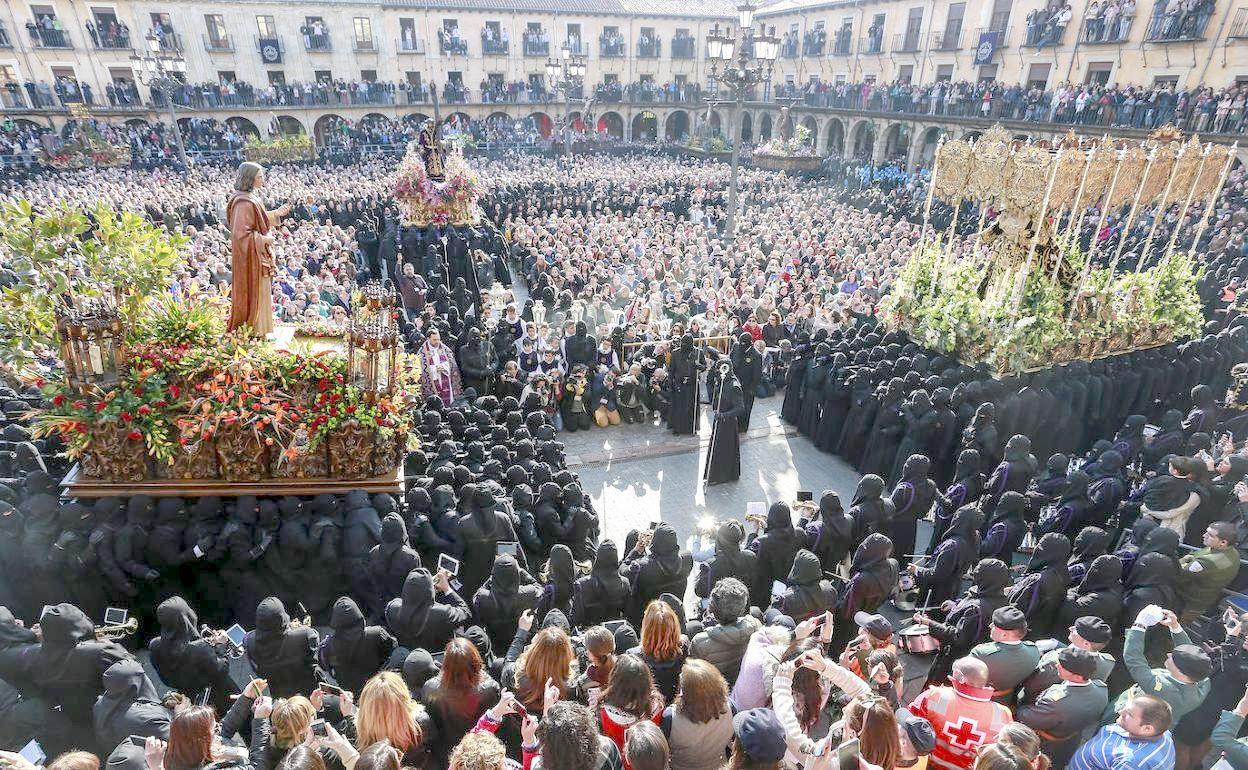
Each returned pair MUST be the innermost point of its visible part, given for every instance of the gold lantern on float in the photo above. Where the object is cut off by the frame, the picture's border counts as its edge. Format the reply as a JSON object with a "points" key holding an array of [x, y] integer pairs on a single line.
{"points": [[92, 340], [378, 295], [373, 355]]}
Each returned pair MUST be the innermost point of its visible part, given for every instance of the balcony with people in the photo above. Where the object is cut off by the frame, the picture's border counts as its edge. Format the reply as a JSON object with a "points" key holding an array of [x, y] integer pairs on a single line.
{"points": [[611, 45], [649, 46], [788, 45], [1108, 22], [46, 31], [451, 43], [536, 42], [1175, 21], [874, 41], [315, 36], [814, 42], [107, 33], [408, 42], [495, 42], [843, 41], [684, 46], [1047, 26]]}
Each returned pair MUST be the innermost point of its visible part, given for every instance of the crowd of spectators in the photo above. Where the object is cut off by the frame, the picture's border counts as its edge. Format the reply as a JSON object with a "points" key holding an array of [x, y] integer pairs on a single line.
{"points": [[1202, 109]]}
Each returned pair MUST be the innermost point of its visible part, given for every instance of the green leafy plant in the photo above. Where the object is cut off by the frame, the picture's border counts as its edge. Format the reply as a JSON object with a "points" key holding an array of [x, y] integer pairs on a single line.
{"points": [[86, 253]]}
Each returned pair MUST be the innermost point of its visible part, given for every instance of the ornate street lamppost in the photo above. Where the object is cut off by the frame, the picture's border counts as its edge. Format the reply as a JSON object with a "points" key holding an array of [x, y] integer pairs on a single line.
{"points": [[567, 74], [739, 61], [158, 69]]}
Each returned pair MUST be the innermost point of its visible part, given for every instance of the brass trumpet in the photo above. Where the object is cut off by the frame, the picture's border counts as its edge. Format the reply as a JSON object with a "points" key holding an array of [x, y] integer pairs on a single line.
{"points": [[117, 630]]}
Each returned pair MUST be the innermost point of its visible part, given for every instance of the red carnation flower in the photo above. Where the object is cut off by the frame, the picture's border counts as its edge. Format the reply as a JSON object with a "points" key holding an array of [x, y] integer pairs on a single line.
{"points": [[134, 435], [175, 391], [162, 403], [58, 399], [145, 409], [101, 406], [350, 408], [80, 405], [126, 416]]}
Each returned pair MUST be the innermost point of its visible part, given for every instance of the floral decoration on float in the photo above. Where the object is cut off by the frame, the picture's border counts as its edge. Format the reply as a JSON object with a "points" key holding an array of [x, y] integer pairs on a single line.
{"points": [[186, 400], [797, 153], [426, 201]]}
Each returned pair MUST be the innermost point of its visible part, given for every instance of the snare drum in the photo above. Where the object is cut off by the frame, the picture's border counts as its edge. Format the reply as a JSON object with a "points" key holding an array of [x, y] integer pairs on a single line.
{"points": [[918, 640]]}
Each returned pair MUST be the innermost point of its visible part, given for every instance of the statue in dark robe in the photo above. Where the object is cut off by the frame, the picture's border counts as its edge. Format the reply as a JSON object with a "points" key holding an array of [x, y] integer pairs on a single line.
{"points": [[431, 151]]}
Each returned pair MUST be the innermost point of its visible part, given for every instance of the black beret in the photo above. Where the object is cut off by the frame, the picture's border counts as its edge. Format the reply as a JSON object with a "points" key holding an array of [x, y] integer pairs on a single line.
{"points": [[1078, 661], [1009, 618], [1192, 661], [1093, 629]]}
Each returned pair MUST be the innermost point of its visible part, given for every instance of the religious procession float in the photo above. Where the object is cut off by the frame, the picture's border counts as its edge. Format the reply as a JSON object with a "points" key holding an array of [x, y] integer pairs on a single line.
{"points": [[436, 188], [1021, 293], [790, 149], [146, 385]]}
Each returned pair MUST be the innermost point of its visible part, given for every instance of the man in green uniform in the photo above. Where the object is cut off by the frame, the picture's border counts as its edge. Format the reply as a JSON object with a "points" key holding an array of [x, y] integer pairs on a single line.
{"points": [[1066, 709], [1088, 633], [1203, 574], [1183, 682], [1009, 658]]}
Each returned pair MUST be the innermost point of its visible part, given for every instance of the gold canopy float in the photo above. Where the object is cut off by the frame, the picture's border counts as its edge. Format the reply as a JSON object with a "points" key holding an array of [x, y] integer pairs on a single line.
{"points": [[1021, 294]]}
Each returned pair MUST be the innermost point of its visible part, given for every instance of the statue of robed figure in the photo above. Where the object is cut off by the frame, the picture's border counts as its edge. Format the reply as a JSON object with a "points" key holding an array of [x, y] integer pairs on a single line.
{"points": [[431, 151]]}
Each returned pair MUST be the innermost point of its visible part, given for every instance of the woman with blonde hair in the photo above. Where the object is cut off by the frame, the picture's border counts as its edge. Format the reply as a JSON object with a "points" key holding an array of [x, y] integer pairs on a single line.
{"points": [[663, 647], [698, 725], [479, 751], [387, 712]]}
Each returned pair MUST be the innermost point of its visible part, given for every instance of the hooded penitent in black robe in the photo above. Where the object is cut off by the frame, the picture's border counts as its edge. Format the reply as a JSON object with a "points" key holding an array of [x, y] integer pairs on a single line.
{"points": [[1013, 474], [1088, 545], [940, 577], [967, 486], [730, 560], [498, 604], [556, 592], [912, 499], [747, 366], [723, 459], [869, 510], [1041, 591], [185, 661], [70, 663], [863, 404], [813, 383], [969, 621], [481, 529], [682, 378], [603, 594], [872, 577], [353, 651], [775, 549], [390, 562], [1098, 594], [663, 569], [1070, 512], [806, 593], [282, 653], [791, 407], [417, 620], [1004, 532], [129, 706], [830, 536], [835, 408]]}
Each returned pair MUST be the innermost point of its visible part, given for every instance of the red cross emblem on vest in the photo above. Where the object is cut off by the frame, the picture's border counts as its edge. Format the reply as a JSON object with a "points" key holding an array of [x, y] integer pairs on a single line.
{"points": [[964, 733]]}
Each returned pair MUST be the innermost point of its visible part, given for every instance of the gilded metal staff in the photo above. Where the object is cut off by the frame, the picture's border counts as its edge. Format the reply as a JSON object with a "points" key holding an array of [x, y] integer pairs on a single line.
{"points": [[1021, 285], [931, 189], [1204, 217], [1075, 216], [1161, 208], [1191, 192], [1135, 204]]}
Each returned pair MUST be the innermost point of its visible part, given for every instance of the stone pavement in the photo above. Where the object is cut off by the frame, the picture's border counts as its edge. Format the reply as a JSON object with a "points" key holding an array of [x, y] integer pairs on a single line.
{"points": [[637, 474]]}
